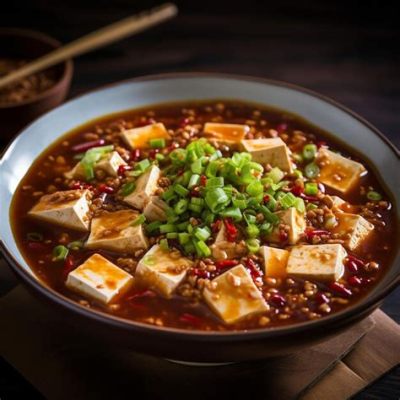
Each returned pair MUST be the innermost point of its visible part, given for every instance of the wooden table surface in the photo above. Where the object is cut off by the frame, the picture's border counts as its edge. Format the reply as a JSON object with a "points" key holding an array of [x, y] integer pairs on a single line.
{"points": [[349, 53]]}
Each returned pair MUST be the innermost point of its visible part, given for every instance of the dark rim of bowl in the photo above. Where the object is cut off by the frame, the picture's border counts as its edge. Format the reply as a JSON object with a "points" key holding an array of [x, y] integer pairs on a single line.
{"points": [[108, 319], [68, 65]]}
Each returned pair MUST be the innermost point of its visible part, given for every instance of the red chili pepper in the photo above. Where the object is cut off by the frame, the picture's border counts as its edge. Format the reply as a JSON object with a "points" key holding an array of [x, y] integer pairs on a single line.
{"points": [[352, 266], [69, 265], [321, 143], [354, 281], [184, 122], [231, 230], [37, 246], [310, 233], [172, 146], [123, 168], [252, 267], [226, 264], [357, 261], [81, 147], [297, 190], [283, 236], [195, 192], [153, 153], [103, 188], [141, 294], [321, 298], [282, 127], [190, 319], [135, 155], [201, 273], [216, 226], [203, 180], [266, 198], [309, 198], [340, 289], [277, 300]]}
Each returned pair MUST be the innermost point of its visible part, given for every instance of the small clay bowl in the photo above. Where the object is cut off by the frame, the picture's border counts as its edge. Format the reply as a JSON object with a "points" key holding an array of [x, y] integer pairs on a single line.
{"points": [[26, 44]]}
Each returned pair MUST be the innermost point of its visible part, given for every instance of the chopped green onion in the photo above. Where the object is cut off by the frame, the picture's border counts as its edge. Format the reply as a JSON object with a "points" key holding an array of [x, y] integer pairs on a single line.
{"points": [[197, 200], [266, 228], [142, 165], [208, 217], [195, 208], [169, 194], [183, 238], [180, 190], [160, 157], [299, 205], [189, 248], [309, 151], [178, 157], [164, 244], [197, 166], [182, 226], [217, 154], [232, 212], [276, 175], [298, 173], [127, 188], [253, 245], [240, 203], [311, 170], [153, 227], [216, 199], [60, 253], [269, 216], [167, 228], [158, 143], [34, 236], [215, 182], [255, 188], [139, 220], [194, 180], [202, 249], [311, 189], [212, 169], [311, 206], [172, 235], [181, 206], [76, 245], [374, 196], [252, 231], [202, 233], [287, 200]]}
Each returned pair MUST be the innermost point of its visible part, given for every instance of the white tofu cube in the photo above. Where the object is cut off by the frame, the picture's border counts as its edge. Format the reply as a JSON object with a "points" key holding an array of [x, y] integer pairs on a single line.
{"points": [[322, 261], [275, 261], [271, 151], [99, 279], [114, 231], [338, 202], [155, 209], [235, 296], [338, 172], [138, 138], [356, 226], [296, 223], [225, 133], [146, 186], [109, 163], [69, 209], [161, 270]]}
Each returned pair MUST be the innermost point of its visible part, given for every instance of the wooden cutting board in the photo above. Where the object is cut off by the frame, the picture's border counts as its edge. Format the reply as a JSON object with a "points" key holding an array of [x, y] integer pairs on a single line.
{"points": [[63, 364]]}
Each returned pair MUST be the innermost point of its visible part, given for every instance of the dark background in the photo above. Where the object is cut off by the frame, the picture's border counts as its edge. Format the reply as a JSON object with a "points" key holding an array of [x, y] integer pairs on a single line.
{"points": [[346, 50]]}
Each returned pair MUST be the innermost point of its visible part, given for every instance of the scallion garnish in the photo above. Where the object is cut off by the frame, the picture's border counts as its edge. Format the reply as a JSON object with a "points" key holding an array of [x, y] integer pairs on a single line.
{"points": [[374, 196], [311, 170], [139, 220], [158, 143], [309, 151], [60, 253]]}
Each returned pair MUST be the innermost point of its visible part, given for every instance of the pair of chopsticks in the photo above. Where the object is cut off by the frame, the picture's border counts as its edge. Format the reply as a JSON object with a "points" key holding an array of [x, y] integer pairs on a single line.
{"points": [[109, 34]]}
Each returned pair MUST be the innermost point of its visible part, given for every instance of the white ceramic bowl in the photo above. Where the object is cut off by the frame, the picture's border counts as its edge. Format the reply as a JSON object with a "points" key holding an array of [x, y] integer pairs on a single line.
{"points": [[326, 114]]}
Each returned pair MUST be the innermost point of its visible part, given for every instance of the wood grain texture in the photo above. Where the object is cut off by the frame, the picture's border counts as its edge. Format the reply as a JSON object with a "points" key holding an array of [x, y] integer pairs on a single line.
{"points": [[345, 50], [63, 364]]}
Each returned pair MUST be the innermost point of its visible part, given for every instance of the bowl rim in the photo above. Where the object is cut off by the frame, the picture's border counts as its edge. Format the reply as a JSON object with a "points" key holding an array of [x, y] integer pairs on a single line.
{"points": [[68, 65], [215, 336]]}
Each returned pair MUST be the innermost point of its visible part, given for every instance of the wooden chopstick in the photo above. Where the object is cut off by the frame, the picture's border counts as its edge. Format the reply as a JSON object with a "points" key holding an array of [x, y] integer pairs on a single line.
{"points": [[109, 34]]}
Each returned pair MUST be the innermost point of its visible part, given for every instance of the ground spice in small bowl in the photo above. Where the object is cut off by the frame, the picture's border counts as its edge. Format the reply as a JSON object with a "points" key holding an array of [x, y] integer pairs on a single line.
{"points": [[26, 88]]}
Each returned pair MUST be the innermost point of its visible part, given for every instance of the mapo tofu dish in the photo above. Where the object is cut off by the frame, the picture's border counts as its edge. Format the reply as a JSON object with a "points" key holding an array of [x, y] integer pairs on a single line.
{"points": [[209, 216]]}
